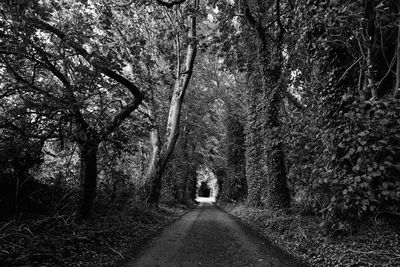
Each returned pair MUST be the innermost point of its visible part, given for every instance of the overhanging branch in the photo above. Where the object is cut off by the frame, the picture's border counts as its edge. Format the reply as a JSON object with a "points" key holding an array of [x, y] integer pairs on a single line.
{"points": [[90, 58], [170, 4], [121, 116]]}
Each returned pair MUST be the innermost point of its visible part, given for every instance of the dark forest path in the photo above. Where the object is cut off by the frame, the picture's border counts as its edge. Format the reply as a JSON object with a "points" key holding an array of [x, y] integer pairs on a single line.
{"points": [[208, 236]]}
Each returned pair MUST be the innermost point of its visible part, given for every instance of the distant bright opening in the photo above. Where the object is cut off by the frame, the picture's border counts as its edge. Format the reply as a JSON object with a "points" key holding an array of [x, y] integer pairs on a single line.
{"points": [[207, 186]]}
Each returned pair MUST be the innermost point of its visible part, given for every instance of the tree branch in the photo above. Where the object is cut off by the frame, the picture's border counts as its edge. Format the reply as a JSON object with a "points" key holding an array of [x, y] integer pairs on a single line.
{"points": [[281, 31], [90, 58], [74, 108], [121, 116], [256, 25], [170, 4]]}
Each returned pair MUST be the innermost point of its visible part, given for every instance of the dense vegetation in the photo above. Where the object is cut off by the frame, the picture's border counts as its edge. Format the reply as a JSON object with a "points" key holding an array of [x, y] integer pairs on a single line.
{"points": [[291, 105], [321, 123]]}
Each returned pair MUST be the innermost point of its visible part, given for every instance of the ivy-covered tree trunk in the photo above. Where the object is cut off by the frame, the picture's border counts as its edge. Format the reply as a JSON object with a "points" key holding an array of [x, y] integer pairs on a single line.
{"points": [[88, 175], [276, 195], [235, 185], [192, 183], [254, 172], [273, 182], [183, 194]]}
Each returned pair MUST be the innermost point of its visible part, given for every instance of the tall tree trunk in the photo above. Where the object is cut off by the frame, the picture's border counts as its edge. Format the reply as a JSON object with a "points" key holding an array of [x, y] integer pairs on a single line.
{"points": [[235, 185], [154, 136], [397, 83], [369, 16], [253, 153], [157, 167], [276, 195], [182, 190], [88, 175], [274, 192], [152, 182]]}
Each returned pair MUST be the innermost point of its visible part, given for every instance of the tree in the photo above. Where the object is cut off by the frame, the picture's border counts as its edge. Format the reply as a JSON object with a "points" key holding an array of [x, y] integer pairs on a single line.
{"points": [[270, 190], [70, 80], [161, 153], [235, 185]]}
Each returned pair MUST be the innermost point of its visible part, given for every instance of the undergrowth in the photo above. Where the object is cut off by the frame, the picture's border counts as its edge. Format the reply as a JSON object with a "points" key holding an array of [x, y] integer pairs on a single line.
{"points": [[109, 238], [305, 237]]}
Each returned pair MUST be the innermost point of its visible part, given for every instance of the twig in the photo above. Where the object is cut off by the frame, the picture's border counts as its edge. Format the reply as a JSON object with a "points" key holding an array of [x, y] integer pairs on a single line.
{"points": [[114, 250], [303, 234], [5, 225], [59, 202], [349, 68], [397, 256], [15, 245], [5, 251], [26, 228]]}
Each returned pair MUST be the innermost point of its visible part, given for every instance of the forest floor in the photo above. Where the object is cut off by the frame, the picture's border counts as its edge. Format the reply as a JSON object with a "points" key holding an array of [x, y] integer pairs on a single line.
{"points": [[108, 239], [304, 238]]}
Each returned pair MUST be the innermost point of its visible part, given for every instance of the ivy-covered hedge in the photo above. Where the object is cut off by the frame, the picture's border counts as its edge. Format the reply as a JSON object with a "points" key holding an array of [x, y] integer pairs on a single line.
{"points": [[363, 173], [350, 171]]}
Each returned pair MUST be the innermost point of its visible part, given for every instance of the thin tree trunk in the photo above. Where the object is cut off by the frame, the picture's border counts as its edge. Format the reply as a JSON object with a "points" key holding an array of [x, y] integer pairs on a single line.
{"points": [[360, 86], [370, 75], [88, 176], [397, 84], [369, 16]]}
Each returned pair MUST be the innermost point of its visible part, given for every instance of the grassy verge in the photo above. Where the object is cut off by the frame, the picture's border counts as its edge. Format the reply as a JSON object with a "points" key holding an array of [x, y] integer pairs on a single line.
{"points": [[303, 237], [108, 239]]}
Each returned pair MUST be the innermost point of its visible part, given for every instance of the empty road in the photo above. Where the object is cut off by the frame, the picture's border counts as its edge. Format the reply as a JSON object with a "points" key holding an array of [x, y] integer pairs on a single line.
{"points": [[208, 236]]}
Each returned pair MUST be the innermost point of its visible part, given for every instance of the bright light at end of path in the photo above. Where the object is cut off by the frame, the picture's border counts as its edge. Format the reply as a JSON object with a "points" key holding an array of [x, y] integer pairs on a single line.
{"points": [[205, 199]]}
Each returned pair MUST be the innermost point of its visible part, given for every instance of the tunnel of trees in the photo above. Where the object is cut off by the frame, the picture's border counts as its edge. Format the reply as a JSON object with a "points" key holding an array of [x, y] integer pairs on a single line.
{"points": [[288, 102]]}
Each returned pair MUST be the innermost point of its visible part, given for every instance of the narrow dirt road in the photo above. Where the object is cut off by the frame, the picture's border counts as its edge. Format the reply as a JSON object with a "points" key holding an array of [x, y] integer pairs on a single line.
{"points": [[208, 236]]}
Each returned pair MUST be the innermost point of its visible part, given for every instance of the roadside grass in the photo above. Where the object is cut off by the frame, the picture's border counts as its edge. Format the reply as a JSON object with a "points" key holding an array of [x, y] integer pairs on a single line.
{"points": [[305, 238], [110, 238]]}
